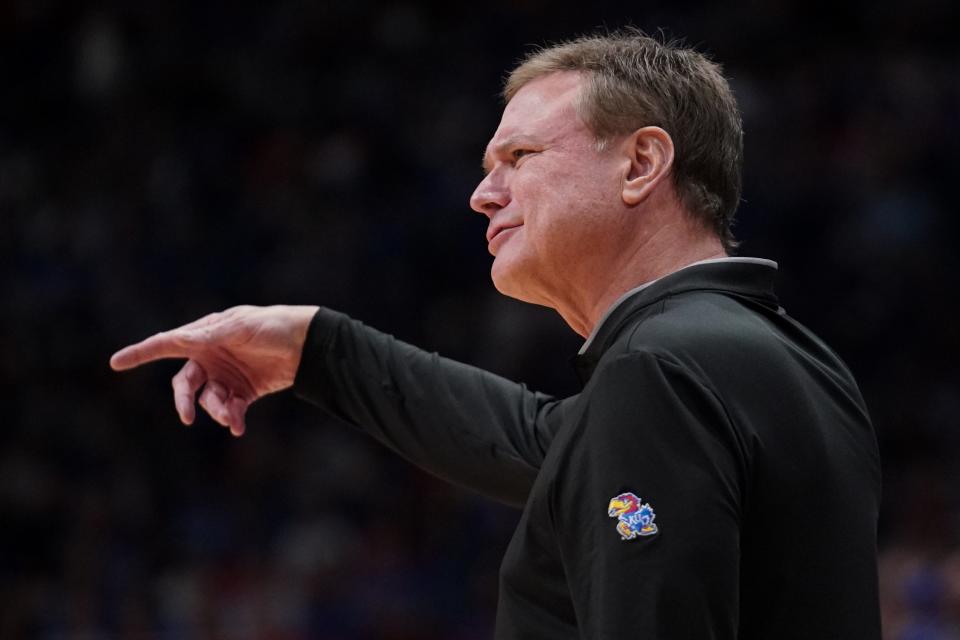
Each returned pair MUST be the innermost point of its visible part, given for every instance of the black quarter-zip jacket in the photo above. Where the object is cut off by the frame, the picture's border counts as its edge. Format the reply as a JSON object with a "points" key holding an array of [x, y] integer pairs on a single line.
{"points": [[717, 476]]}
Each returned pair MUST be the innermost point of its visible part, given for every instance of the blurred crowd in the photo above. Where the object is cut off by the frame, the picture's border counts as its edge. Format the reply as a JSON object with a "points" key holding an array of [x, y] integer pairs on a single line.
{"points": [[160, 160]]}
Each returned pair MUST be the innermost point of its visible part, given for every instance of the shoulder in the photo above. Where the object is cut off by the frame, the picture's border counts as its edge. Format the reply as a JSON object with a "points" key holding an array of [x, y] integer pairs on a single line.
{"points": [[703, 320], [649, 387], [716, 336], [744, 352], [649, 405]]}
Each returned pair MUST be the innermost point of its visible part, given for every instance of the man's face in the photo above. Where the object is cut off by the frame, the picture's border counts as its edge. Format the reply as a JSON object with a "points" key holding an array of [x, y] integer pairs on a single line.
{"points": [[552, 198]]}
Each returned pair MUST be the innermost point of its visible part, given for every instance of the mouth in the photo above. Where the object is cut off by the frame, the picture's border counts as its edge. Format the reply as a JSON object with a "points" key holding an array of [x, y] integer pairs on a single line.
{"points": [[496, 229]]}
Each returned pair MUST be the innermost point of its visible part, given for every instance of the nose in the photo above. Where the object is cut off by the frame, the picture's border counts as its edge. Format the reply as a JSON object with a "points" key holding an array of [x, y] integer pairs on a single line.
{"points": [[490, 196]]}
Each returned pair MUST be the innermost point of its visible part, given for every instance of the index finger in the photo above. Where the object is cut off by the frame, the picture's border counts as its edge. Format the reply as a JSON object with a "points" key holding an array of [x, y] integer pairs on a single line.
{"points": [[168, 344]]}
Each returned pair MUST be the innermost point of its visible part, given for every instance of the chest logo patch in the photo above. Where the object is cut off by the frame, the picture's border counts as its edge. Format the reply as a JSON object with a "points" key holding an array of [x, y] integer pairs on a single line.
{"points": [[634, 517]]}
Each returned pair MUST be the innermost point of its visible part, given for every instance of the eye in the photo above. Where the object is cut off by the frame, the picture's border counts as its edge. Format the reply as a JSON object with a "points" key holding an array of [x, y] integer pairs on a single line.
{"points": [[517, 154]]}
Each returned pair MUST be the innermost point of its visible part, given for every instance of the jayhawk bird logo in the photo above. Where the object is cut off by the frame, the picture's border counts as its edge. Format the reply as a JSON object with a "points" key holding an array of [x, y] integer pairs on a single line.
{"points": [[634, 517]]}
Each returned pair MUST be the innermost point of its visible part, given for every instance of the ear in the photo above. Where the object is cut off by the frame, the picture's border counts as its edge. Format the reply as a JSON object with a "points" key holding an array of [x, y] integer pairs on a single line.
{"points": [[650, 154]]}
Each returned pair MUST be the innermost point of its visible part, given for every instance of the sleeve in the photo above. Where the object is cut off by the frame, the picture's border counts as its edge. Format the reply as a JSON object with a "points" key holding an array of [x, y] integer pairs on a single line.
{"points": [[461, 423], [648, 512]]}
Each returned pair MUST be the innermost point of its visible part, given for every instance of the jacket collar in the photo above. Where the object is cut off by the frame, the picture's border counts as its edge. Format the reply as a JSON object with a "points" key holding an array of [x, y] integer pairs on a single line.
{"points": [[747, 277]]}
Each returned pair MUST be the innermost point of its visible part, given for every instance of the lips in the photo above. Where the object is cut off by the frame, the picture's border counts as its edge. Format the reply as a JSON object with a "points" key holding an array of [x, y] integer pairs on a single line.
{"points": [[495, 228]]}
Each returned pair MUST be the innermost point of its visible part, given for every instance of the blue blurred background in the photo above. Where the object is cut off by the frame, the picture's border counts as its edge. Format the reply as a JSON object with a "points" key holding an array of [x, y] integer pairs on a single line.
{"points": [[163, 159]]}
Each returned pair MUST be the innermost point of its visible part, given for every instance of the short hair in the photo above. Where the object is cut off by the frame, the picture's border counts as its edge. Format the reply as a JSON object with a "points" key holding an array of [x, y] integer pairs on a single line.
{"points": [[634, 81]]}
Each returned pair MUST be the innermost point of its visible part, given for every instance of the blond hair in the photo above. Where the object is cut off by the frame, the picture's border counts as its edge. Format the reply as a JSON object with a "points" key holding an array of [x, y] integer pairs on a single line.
{"points": [[634, 81]]}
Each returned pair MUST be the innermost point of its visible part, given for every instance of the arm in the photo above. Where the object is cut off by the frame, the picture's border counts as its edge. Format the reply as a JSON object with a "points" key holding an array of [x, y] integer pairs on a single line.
{"points": [[461, 423], [652, 429]]}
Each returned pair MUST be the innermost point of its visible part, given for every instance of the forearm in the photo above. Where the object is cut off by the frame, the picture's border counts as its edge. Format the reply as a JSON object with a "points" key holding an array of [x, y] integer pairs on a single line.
{"points": [[461, 423]]}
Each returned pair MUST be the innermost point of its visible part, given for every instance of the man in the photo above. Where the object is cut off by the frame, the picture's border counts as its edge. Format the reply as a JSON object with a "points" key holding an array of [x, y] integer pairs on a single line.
{"points": [[717, 477]]}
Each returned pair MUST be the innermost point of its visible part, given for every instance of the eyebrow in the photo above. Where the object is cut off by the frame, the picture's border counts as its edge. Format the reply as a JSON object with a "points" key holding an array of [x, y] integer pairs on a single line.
{"points": [[515, 140]]}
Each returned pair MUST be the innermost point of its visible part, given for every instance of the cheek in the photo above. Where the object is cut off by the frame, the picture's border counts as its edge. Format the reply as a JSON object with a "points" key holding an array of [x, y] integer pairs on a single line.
{"points": [[567, 209]]}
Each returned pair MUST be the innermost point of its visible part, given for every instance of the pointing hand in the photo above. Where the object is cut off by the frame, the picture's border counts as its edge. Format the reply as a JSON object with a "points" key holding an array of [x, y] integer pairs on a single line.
{"points": [[236, 357]]}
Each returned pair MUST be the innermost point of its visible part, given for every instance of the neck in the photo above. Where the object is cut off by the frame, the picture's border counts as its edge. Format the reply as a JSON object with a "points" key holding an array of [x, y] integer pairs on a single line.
{"points": [[659, 256]]}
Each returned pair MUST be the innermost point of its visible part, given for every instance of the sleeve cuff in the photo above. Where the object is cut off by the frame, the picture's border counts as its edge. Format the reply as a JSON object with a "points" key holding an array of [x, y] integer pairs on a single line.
{"points": [[311, 378]]}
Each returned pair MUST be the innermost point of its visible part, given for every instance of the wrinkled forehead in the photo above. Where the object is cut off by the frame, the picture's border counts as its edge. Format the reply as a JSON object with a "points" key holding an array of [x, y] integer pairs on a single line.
{"points": [[542, 110], [544, 106]]}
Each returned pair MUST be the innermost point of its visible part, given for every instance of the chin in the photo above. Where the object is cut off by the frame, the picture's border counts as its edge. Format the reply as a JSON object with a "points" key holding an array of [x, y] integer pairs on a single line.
{"points": [[513, 281]]}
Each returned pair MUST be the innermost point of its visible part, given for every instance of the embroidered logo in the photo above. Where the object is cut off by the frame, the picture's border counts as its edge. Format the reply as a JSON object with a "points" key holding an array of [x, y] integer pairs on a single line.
{"points": [[634, 517]]}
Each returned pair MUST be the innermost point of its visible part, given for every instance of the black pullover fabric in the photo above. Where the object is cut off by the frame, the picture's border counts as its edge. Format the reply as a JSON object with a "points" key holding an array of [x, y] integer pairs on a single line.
{"points": [[717, 477]]}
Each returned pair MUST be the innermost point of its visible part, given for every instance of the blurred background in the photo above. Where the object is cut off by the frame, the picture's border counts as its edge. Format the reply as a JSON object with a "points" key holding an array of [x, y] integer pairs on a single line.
{"points": [[163, 159]]}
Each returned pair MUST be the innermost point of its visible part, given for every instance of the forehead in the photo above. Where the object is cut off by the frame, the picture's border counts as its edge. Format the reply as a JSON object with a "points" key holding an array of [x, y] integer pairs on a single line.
{"points": [[544, 108]]}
